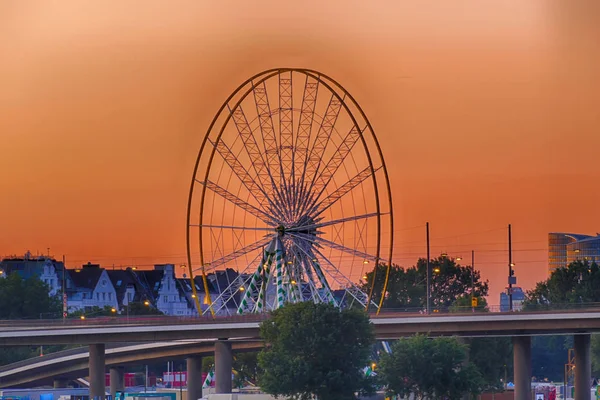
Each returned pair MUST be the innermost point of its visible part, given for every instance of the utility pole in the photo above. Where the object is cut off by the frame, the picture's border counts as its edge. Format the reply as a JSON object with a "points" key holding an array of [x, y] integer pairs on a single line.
{"points": [[428, 273], [510, 270], [64, 287], [472, 280]]}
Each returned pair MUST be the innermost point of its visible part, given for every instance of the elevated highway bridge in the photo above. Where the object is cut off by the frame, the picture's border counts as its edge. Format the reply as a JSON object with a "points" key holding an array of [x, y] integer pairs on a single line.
{"points": [[225, 335]]}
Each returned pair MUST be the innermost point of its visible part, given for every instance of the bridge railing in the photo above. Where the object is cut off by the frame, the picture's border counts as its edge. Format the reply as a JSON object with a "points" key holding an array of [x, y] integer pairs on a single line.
{"points": [[208, 319]]}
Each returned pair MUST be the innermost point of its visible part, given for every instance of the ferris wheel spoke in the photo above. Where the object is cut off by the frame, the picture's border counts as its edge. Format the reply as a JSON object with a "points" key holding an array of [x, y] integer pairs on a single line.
{"points": [[267, 130], [340, 192], [248, 181], [307, 114], [252, 149], [336, 160], [286, 127], [350, 287], [248, 228], [238, 253], [336, 246], [333, 222], [263, 216], [315, 156]]}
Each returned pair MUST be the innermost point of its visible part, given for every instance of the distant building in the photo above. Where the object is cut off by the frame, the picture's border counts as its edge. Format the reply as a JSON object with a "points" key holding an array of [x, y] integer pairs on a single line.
{"points": [[46, 269], [92, 288], [565, 248], [518, 296]]}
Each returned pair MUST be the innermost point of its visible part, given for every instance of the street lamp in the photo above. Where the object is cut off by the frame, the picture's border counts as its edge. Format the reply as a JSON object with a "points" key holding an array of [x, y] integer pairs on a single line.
{"points": [[146, 303]]}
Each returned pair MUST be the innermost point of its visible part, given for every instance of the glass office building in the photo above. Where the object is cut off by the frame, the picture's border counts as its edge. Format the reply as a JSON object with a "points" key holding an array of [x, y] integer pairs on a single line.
{"points": [[565, 248]]}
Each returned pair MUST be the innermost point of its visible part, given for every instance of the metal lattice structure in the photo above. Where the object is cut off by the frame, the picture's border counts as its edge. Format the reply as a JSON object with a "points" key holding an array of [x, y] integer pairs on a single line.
{"points": [[290, 190]]}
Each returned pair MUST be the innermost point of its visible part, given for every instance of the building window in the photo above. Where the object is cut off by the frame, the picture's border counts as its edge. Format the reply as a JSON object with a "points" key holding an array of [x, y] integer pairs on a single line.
{"points": [[98, 296], [110, 296], [104, 296], [129, 296], [166, 299]]}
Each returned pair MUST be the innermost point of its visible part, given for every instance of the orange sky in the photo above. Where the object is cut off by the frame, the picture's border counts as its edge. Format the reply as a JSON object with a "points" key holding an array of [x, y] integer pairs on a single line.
{"points": [[488, 113]]}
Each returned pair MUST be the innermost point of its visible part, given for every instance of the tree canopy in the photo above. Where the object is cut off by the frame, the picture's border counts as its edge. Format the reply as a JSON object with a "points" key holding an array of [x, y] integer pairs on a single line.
{"points": [[491, 355], [571, 286], [579, 282], [407, 286], [27, 298], [315, 350], [429, 368]]}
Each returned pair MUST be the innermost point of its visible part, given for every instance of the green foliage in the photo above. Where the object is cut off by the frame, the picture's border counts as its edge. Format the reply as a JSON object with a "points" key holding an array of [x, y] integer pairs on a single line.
{"points": [[93, 312], [27, 299], [579, 282], [245, 366], [491, 355], [463, 304], [139, 308], [407, 286], [569, 287], [432, 368], [315, 350]]}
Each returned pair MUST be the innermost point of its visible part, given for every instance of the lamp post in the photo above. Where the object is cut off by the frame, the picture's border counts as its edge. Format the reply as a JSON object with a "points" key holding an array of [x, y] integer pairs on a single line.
{"points": [[428, 272]]}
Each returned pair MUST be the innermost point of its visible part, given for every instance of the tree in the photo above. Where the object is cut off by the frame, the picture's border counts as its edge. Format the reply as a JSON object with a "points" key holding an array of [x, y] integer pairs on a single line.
{"points": [[432, 368], [315, 350], [138, 308], [578, 283], [571, 286], [26, 299], [407, 286], [492, 356], [245, 366]]}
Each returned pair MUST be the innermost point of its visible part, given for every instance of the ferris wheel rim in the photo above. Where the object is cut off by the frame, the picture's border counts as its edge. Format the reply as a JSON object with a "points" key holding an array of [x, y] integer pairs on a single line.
{"points": [[331, 85]]}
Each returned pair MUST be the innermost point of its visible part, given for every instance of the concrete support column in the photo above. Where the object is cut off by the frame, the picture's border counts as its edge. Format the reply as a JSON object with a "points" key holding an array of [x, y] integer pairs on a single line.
{"points": [[194, 377], [96, 371], [117, 380], [223, 366], [60, 383], [583, 367], [522, 367]]}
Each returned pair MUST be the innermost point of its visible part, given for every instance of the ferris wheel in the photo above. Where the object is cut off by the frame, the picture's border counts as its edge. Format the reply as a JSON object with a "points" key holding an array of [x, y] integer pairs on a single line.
{"points": [[290, 190]]}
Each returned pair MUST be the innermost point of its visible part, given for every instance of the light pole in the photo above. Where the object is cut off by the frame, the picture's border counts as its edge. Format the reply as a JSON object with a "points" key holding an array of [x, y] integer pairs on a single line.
{"points": [[428, 272]]}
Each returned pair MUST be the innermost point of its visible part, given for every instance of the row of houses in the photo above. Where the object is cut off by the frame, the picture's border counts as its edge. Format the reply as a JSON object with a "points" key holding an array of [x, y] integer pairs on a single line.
{"points": [[92, 286]]}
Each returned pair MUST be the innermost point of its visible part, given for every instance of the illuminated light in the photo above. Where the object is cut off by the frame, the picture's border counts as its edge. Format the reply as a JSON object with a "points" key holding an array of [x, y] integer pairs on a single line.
{"points": [[293, 282], [512, 264], [113, 310], [242, 289], [444, 255], [193, 296], [1, 272], [290, 262], [183, 265], [146, 303], [365, 277], [458, 258], [314, 260], [576, 250], [365, 261], [134, 268], [77, 270], [373, 366], [82, 317], [436, 270]]}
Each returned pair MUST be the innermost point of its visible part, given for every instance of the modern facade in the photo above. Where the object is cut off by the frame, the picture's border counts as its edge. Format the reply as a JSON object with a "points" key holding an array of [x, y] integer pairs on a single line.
{"points": [[565, 248], [518, 296]]}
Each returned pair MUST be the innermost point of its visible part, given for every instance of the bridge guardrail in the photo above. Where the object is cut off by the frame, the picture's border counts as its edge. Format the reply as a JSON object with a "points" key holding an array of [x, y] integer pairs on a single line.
{"points": [[386, 312]]}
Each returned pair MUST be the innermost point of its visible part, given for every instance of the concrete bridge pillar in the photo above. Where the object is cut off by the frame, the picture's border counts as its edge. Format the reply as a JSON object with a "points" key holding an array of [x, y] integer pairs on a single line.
{"points": [[194, 377], [60, 383], [96, 371], [117, 381], [583, 367], [522, 367], [223, 366]]}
